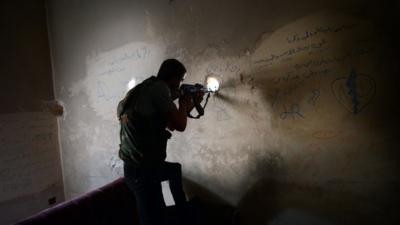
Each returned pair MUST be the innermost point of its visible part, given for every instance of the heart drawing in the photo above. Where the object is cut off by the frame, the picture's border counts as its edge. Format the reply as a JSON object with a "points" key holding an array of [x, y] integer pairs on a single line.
{"points": [[354, 92]]}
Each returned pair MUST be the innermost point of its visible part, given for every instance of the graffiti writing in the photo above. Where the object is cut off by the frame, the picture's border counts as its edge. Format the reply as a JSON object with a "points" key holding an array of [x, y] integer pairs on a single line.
{"points": [[315, 95], [292, 52], [293, 112], [294, 75], [318, 31]]}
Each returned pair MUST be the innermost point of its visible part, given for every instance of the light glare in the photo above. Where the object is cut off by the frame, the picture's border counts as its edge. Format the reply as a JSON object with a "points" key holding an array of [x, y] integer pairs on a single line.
{"points": [[212, 84], [131, 84]]}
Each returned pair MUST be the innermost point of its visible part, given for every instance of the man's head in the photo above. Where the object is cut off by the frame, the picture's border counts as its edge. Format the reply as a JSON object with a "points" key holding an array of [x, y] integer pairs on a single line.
{"points": [[172, 72]]}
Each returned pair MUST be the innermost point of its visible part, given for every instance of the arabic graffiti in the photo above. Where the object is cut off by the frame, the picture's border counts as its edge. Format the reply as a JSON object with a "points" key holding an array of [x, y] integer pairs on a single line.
{"points": [[317, 31], [295, 75], [356, 52], [310, 48]]}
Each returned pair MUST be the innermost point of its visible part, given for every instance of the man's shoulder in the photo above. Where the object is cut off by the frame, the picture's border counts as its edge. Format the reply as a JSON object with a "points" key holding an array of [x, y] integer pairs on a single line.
{"points": [[159, 82], [159, 86]]}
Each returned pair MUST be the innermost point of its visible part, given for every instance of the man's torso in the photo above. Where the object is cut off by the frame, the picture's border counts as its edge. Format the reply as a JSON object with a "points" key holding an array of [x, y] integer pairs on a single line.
{"points": [[143, 122]]}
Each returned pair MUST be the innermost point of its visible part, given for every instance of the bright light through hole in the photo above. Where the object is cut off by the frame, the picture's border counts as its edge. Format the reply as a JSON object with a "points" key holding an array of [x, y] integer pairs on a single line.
{"points": [[131, 84], [212, 84]]}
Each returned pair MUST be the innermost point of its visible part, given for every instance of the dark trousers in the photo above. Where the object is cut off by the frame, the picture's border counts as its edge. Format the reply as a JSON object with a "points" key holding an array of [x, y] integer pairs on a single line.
{"points": [[145, 182]]}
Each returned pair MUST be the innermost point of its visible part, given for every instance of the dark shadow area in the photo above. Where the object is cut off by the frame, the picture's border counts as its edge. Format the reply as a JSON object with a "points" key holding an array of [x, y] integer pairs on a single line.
{"points": [[211, 209], [259, 204], [272, 200], [268, 200]]}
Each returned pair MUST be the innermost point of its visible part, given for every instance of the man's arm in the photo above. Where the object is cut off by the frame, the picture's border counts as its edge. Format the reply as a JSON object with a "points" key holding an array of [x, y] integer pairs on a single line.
{"points": [[178, 117]]}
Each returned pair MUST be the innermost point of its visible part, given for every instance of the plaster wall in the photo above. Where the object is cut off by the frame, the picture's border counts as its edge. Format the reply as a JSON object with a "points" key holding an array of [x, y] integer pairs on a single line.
{"points": [[304, 123], [30, 171]]}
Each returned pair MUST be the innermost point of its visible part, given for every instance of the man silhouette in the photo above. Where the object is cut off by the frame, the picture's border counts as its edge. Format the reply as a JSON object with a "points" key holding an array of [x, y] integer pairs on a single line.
{"points": [[144, 114]]}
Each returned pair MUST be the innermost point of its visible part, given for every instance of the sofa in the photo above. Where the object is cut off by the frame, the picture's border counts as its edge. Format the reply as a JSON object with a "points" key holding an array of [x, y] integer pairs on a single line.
{"points": [[112, 204]]}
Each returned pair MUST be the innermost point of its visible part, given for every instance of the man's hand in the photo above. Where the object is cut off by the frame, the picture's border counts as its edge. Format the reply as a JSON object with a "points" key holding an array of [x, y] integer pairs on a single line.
{"points": [[177, 118], [198, 98], [124, 119], [186, 102]]}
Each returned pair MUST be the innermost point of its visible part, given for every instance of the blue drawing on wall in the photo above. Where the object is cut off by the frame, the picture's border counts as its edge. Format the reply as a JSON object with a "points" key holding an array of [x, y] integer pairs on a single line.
{"points": [[351, 84], [355, 91]]}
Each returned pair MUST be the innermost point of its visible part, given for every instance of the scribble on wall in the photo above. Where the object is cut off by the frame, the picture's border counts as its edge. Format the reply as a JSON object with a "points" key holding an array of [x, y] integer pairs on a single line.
{"points": [[319, 31], [355, 91], [293, 112], [315, 95]]}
